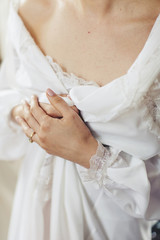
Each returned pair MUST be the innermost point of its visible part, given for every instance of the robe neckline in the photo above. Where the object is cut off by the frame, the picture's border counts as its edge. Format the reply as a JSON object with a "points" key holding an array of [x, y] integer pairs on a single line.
{"points": [[120, 94], [28, 35]]}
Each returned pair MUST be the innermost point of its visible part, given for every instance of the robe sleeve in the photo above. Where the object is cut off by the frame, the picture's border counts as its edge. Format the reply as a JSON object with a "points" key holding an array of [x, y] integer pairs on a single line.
{"points": [[12, 140], [133, 183]]}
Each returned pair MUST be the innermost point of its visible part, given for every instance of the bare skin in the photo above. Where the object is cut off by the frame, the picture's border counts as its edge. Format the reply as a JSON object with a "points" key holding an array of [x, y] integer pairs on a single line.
{"points": [[48, 108], [98, 45], [67, 137], [96, 40]]}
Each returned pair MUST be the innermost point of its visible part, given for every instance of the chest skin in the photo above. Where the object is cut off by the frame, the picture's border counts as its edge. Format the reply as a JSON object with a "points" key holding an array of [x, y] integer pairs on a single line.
{"points": [[96, 50]]}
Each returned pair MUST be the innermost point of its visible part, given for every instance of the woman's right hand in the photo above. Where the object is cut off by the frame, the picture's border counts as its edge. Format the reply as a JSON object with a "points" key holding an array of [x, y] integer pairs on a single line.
{"points": [[20, 109], [52, 112]]}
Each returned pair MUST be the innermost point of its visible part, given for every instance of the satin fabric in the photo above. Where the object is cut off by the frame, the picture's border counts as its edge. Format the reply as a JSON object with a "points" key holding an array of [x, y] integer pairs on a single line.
{"points": [[52, 200]]}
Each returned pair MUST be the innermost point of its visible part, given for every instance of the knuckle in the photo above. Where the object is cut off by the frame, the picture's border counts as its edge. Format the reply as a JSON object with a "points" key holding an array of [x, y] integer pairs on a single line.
{"points": [[26, 130], [42, 138], [45, 124]]}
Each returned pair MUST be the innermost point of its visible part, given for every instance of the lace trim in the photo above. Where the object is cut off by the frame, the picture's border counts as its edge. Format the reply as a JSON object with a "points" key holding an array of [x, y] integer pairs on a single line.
{"points": [[104, 158], [152, 112], [69, 80]]}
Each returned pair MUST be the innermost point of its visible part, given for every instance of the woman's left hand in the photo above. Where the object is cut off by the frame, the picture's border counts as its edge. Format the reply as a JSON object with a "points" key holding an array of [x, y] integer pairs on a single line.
{"points": [[67, 137]]}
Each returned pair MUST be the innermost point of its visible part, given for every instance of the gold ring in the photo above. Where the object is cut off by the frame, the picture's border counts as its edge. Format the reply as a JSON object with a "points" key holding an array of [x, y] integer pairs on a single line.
{"points": [[30, 138]]}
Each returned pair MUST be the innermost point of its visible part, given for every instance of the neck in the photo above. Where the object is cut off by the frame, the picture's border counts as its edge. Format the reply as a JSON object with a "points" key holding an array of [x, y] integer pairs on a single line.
{"points": [[101, 8]]}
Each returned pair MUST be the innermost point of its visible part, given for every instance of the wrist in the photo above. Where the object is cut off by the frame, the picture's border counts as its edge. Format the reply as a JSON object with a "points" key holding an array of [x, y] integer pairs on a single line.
{"points": [[88, 150]]}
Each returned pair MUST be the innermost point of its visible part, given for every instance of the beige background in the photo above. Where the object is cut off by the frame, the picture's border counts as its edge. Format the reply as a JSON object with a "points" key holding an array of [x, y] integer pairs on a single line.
{"points": [[8, 177], [8, 170], [4, 6]]}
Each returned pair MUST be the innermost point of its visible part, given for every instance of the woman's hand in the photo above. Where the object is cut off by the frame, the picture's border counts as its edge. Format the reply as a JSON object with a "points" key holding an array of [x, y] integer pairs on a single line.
{"points": [[50, 110], [67, 137]]}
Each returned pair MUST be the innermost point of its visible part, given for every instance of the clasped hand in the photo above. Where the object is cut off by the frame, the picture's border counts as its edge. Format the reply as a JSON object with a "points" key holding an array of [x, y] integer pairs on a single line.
{"points": [[58, 128]]}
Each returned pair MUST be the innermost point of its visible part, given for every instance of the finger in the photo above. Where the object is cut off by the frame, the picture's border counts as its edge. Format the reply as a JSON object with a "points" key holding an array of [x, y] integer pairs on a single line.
{"points": [[75, 109], [26, 129], [38, 113], [50, 110], [59, 103], [29, 118]]}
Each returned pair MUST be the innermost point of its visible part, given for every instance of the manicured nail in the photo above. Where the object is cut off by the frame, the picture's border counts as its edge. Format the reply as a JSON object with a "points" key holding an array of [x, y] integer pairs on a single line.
{"points": [[50, 92]]}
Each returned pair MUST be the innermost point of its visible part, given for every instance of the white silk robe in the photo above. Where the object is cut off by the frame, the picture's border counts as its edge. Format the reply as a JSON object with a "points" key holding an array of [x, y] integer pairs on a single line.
{"points": [[56, 199]]}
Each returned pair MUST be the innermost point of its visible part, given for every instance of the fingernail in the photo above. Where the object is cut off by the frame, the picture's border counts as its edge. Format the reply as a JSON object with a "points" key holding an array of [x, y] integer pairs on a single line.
{"points": [[50, 92]]}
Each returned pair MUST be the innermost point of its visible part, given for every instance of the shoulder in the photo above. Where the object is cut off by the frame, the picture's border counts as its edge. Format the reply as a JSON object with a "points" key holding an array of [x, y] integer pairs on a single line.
{"points": [[35, 13], [44, 2], [155, 7], [36, 10]]}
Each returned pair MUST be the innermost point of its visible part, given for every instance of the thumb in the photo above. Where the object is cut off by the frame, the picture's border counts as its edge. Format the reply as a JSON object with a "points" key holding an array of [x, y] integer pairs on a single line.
{"points": [[58, 103]]}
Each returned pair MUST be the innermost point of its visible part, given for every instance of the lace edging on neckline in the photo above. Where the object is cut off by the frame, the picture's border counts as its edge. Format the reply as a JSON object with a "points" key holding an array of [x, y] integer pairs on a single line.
{"points": [[68, 79]]}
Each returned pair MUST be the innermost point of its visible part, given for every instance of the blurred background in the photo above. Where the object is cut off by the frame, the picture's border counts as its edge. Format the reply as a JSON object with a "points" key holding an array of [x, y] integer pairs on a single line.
{"points": [[9, 170]]}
